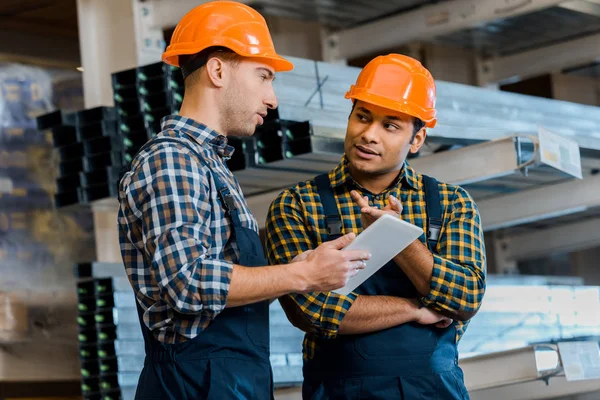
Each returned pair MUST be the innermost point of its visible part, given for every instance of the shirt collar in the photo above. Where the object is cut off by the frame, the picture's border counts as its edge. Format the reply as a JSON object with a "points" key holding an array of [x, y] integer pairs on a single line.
{"points": [[411, 177], [408, 177], [199, 132]]}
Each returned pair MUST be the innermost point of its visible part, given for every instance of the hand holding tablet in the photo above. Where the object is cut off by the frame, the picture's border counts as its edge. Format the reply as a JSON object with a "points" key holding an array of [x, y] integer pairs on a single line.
{"points": [[384, 239]]}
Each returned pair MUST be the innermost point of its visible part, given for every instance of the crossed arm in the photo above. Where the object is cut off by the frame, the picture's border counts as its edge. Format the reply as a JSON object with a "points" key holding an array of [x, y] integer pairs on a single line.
{"points": [[458, 265]]}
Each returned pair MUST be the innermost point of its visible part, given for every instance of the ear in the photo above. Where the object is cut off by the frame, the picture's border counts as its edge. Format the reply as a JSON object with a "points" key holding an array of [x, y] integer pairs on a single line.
{"points": [[215, 71], [418, 141]]}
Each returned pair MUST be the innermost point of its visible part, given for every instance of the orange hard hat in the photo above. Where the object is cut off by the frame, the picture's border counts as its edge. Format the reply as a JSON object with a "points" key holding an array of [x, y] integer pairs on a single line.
{"points": [[229, 24], [398, 83]]}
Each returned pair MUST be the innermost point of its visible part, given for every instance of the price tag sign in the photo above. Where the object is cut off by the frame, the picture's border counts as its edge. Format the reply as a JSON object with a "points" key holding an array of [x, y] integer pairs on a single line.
{"points": [[6, 185], [580, 360], [560, 152]]}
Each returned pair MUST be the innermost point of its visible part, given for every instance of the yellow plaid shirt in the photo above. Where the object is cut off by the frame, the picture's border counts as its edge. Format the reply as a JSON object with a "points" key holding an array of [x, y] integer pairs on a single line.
{"points": [[296, 223]]}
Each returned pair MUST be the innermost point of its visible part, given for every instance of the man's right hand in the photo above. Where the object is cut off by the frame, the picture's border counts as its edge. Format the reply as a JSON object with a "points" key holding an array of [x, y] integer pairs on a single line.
{"points": [[328, 267], [426, 316]]}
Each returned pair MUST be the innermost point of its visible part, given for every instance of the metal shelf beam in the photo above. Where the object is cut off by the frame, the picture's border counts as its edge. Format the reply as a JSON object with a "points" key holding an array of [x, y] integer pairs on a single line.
{"points": [[500, 369], [424, 23], [538, 61], [541, 203], [565, 238], [517, 375], [538, 389]]}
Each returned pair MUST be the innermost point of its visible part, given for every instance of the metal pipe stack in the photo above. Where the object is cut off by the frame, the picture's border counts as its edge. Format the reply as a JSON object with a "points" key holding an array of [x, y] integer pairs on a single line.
{"points": [[110, 339]]}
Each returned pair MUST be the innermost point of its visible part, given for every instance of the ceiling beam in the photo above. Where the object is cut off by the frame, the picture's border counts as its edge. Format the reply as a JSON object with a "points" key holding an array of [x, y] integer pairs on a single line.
{"points": [[531, 63], [42, 62], [424, 23], [565, 238], [41, 50], [29, 6], [35, 26], [541, 203]]}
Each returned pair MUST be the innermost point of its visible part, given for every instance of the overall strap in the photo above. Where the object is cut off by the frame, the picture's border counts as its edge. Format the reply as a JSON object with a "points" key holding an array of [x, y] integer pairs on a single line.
{"points": [[332, 215], [434, 211]]}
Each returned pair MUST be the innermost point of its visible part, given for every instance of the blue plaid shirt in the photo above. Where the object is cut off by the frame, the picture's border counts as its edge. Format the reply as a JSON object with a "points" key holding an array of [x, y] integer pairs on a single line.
{"points": [[173, 232]]}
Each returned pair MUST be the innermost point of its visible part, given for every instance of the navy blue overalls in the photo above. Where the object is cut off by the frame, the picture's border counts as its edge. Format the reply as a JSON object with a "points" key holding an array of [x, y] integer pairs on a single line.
{"points": [[230, 358], [409, 361]]}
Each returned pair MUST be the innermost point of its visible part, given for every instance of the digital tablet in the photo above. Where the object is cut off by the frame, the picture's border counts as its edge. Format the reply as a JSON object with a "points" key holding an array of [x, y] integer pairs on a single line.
{"points": [[384, 239]]}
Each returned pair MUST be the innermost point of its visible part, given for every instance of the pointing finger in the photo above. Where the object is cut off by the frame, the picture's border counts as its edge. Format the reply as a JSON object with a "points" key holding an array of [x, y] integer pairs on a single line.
{"points": [[362, 202], [375, 213]]}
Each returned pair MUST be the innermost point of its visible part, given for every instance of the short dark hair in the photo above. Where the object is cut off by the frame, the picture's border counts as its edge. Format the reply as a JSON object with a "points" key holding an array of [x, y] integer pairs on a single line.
{"points": [[190, 63], [418, 123]]}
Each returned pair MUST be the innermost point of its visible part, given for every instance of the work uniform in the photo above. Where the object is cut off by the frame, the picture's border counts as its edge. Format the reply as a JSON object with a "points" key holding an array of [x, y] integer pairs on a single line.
{"points": [[183, 223], [409, 361]]}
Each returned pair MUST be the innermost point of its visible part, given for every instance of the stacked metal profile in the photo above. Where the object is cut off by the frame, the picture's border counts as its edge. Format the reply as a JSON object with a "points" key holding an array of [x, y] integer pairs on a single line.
{"points": [[280, 139], [522, 310], [143, 96], [64, 136], [111, 342], [90, 153], [94, 144], [110, 339]]}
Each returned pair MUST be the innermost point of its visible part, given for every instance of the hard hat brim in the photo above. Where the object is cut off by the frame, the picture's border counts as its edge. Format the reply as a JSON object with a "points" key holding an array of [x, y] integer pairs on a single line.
{"points": [[403, 107], [277, 62]]}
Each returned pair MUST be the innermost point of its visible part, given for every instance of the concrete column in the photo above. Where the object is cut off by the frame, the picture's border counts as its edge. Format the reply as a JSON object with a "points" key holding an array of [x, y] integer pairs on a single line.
{"points": [[107, 44]]}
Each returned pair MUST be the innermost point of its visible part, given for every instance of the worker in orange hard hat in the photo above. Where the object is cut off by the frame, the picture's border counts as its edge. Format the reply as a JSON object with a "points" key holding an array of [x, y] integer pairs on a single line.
{"points": [[394, 336], [189, 243]]}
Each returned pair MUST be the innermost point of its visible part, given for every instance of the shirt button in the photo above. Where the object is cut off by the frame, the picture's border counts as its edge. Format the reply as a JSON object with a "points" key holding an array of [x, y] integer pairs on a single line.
{"points": [[377, 197]]}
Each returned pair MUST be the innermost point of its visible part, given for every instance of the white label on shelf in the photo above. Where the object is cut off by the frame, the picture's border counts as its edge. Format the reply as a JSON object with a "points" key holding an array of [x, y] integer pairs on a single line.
{"points": [[580, 360], [560, 152], [6, 185]]}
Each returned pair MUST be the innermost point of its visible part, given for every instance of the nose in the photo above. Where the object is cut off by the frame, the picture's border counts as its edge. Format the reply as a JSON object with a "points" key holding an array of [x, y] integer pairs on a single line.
{"points": [[270, 98], [370, 135]]}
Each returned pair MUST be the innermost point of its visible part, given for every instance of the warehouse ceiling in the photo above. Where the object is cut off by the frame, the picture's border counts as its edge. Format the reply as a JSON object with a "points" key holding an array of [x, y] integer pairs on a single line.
{"points": [[59, 17], [525, 32], [572, 19], [339, 14], [44, 17], [40, 32]]}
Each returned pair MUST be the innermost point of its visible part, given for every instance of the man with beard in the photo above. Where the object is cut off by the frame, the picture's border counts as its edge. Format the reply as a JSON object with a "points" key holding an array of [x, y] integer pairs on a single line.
{"points": [[189, 243]]}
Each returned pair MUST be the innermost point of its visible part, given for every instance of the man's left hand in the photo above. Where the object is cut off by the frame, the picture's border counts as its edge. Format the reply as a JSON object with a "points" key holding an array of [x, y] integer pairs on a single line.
{"points": [[371, 214]]}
